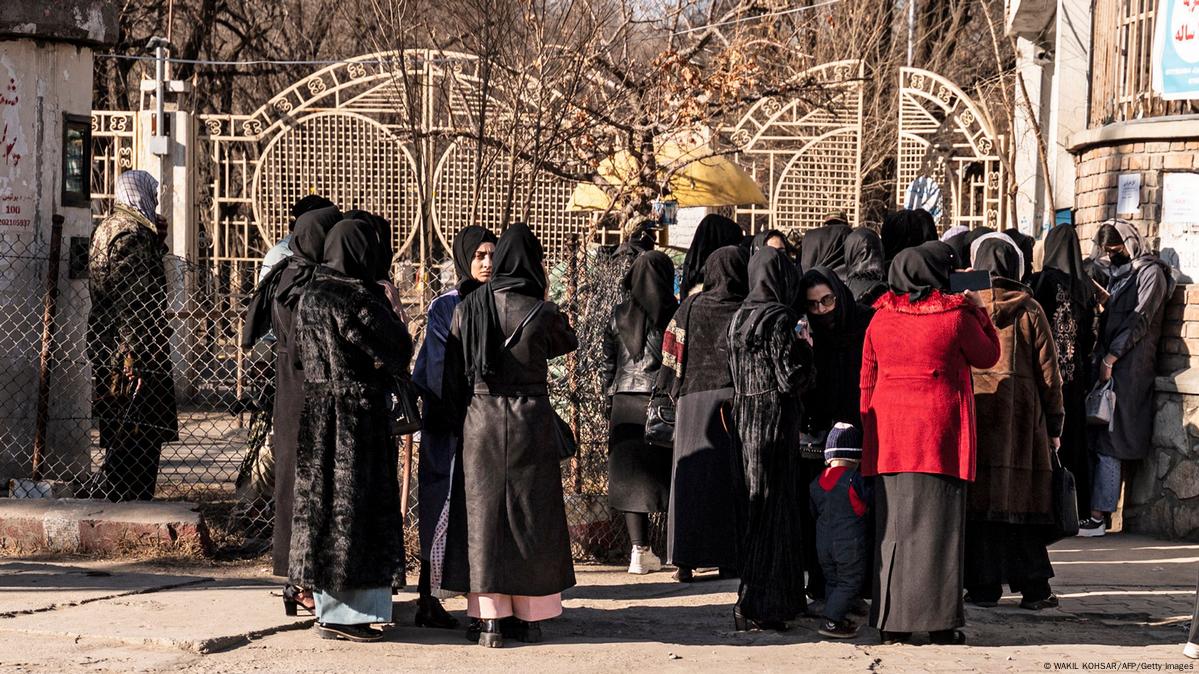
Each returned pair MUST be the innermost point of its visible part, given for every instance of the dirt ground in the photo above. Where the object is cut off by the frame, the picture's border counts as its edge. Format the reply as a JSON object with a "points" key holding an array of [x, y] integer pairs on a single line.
{"points": [[1126, 601]]}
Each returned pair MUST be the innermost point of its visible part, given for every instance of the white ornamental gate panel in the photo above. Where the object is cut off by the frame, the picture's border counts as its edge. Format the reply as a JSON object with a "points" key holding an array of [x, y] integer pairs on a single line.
{"points": [[944, 136], [806, 152]]}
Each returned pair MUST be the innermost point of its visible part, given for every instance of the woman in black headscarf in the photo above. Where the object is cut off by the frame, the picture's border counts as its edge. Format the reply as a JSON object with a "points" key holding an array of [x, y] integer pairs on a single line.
{"points": [[864, 268], [1019, 404], [905, 229], [1027, 245], [770, 366], [707, 499], [441, 434], [347, 528], [919, 430], [1068, 295], [1130, 326], [511, 521], [714, 232], [825, 247], [638, 473], [837, 326], [281, 291], [768, 237]]}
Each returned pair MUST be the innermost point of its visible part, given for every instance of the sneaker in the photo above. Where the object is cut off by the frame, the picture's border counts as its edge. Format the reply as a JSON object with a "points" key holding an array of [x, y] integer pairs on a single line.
{"points": [[1191, 650], [643, 560], [1091, 527], [1038, 604], [838, 629]]}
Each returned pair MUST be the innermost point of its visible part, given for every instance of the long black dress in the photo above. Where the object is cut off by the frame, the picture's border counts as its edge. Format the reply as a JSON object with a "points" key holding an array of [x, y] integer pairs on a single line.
{"points": [[1065, 291], [507, 534], [307, 244], [347, 530], [770, 366], [707, 497]]}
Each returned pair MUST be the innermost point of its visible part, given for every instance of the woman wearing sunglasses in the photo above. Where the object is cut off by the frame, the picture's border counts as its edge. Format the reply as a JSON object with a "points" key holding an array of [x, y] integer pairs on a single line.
{"points": [[836, 327]]}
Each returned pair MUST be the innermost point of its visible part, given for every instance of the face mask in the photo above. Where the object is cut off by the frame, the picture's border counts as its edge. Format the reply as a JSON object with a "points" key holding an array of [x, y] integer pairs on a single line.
{"points": [[823, 320], [1119, 259]]}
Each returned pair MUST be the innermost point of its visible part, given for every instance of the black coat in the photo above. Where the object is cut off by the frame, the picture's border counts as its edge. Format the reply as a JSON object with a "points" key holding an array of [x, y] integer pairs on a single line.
{"points": [[347, 528], [623, 372], [1129, 329], [289, 403], [510, 525]]}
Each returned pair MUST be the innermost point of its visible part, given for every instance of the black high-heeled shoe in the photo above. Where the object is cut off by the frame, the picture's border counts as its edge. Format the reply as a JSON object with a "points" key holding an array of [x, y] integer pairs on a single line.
{"points": [[744, 624], [430, 613], [490, 635], [292, 603], [521, 630]]}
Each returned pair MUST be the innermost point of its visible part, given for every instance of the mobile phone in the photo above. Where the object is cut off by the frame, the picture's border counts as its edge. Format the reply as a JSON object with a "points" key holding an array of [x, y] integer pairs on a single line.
{"points": [[961, 281], [801, 327]]}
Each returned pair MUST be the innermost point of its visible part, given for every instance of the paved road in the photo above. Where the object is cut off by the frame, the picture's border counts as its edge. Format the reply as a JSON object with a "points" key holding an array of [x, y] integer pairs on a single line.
{"points": [[1126, 601]]}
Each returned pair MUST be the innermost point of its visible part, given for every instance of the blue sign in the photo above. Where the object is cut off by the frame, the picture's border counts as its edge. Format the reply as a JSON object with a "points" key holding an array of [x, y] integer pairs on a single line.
{"points": [[1176, 50]]}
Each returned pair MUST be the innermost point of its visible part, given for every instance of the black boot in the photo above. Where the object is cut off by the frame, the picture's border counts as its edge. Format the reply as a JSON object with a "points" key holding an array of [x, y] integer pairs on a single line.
{"points": [[521, 630], [430, 613], [490, 635]]}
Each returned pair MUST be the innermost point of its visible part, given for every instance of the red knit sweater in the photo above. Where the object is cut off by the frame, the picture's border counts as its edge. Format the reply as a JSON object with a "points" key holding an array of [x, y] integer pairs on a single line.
{"points": [[917, 391]]}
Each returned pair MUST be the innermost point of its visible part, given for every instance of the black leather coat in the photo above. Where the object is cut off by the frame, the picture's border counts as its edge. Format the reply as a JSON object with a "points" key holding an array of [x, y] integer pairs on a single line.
{"points": [[624, 373]]}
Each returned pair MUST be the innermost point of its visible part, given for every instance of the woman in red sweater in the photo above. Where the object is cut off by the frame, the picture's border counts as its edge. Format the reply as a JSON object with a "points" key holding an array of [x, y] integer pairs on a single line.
{"points": [[918, 418]]}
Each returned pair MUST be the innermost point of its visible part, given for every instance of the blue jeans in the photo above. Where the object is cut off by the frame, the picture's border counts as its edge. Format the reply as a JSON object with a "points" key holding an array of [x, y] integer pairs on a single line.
{"points": [[1105, 484]]}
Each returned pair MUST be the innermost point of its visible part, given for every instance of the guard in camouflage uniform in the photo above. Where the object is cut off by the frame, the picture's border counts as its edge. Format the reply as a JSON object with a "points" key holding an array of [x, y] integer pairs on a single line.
{"points": [[128, 344]]}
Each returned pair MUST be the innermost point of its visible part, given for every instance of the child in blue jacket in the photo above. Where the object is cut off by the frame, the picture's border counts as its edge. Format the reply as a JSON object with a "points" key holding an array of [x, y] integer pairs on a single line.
{"points": [[840, 502]]}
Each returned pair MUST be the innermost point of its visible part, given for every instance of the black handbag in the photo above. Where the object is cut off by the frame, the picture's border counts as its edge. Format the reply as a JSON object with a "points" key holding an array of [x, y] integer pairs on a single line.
{"points": [[568, 446], [659, 422], [405, 409], [1065, 503]]}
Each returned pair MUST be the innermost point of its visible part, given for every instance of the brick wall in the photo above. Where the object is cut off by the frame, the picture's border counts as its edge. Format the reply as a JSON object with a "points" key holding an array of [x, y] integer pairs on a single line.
{"points": [[1180, 332], [1098, 170]]}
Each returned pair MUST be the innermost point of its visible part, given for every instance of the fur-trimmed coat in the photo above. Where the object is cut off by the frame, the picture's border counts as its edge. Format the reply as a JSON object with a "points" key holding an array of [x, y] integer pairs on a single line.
{"points": [[917, 394], [347, 528], [1018, 402]]}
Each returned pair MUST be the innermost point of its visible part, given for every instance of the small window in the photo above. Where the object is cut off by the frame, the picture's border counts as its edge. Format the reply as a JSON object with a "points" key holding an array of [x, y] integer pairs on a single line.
{"points": [[76, 160]]}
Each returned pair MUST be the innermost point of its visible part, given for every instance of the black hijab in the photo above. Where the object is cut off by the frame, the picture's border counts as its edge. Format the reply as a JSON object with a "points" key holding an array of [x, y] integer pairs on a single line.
{"points": [[383, 252], [906, 229], [726, 275], [773, 287], [714, 231], [308, 203], [518, 269], [1027, 245], [351, 250], [760, 239], [307, 247], [922, 269], [999, 257], [466, 244], [863, 260], [839, 318], [825, 247], [960, 243], [1063, 253], [650, 284]]}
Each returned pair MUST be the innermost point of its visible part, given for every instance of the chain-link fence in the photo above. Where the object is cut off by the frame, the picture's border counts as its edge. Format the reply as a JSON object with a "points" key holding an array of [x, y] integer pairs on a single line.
{"points": [[105, 380]]}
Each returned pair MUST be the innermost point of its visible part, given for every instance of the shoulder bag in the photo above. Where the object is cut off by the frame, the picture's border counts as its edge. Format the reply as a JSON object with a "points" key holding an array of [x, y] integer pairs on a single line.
{"points": [[1101, 403]]}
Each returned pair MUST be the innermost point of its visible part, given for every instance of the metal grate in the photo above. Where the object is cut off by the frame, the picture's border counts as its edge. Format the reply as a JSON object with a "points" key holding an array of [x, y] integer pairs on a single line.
{"points": [[943, 135], [805, 152]]}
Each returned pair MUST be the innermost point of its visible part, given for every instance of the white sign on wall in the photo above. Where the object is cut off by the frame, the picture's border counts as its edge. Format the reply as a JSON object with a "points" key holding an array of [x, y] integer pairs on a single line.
{"points": [[1179, 229], [1130, 193]]}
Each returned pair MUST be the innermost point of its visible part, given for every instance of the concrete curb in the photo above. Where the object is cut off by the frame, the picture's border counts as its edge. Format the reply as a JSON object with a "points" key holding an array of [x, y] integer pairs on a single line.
{"points": [[99, 527]]}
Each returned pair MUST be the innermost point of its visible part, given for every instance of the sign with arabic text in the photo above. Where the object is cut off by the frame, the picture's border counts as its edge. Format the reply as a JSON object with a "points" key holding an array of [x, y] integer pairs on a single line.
{"points": [[1176, 50]]}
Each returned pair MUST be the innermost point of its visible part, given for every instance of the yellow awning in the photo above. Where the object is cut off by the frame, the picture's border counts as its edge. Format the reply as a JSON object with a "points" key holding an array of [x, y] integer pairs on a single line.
{"points": [[710, 181]]}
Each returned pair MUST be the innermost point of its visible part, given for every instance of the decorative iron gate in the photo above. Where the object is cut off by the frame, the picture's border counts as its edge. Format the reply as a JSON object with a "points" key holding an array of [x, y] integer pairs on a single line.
{"points": [[944, 136], [806, 153]]}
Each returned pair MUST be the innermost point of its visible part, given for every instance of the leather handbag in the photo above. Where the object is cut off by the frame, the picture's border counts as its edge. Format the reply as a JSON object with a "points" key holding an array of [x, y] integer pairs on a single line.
{"points": [[1065, 503], [568, 446], [659, 421], [405, 409], [1101, 404]]}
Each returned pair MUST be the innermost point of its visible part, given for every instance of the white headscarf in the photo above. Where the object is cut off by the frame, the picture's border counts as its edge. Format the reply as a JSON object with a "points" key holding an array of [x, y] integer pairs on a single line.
{"points": [[996, 235], [139, 191], [954, 231]]}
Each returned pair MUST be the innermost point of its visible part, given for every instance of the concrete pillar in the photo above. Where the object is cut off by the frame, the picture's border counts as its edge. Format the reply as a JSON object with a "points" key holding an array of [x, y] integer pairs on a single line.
{"points": [[1029, 178], [1070, 94], [46, 63]]}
